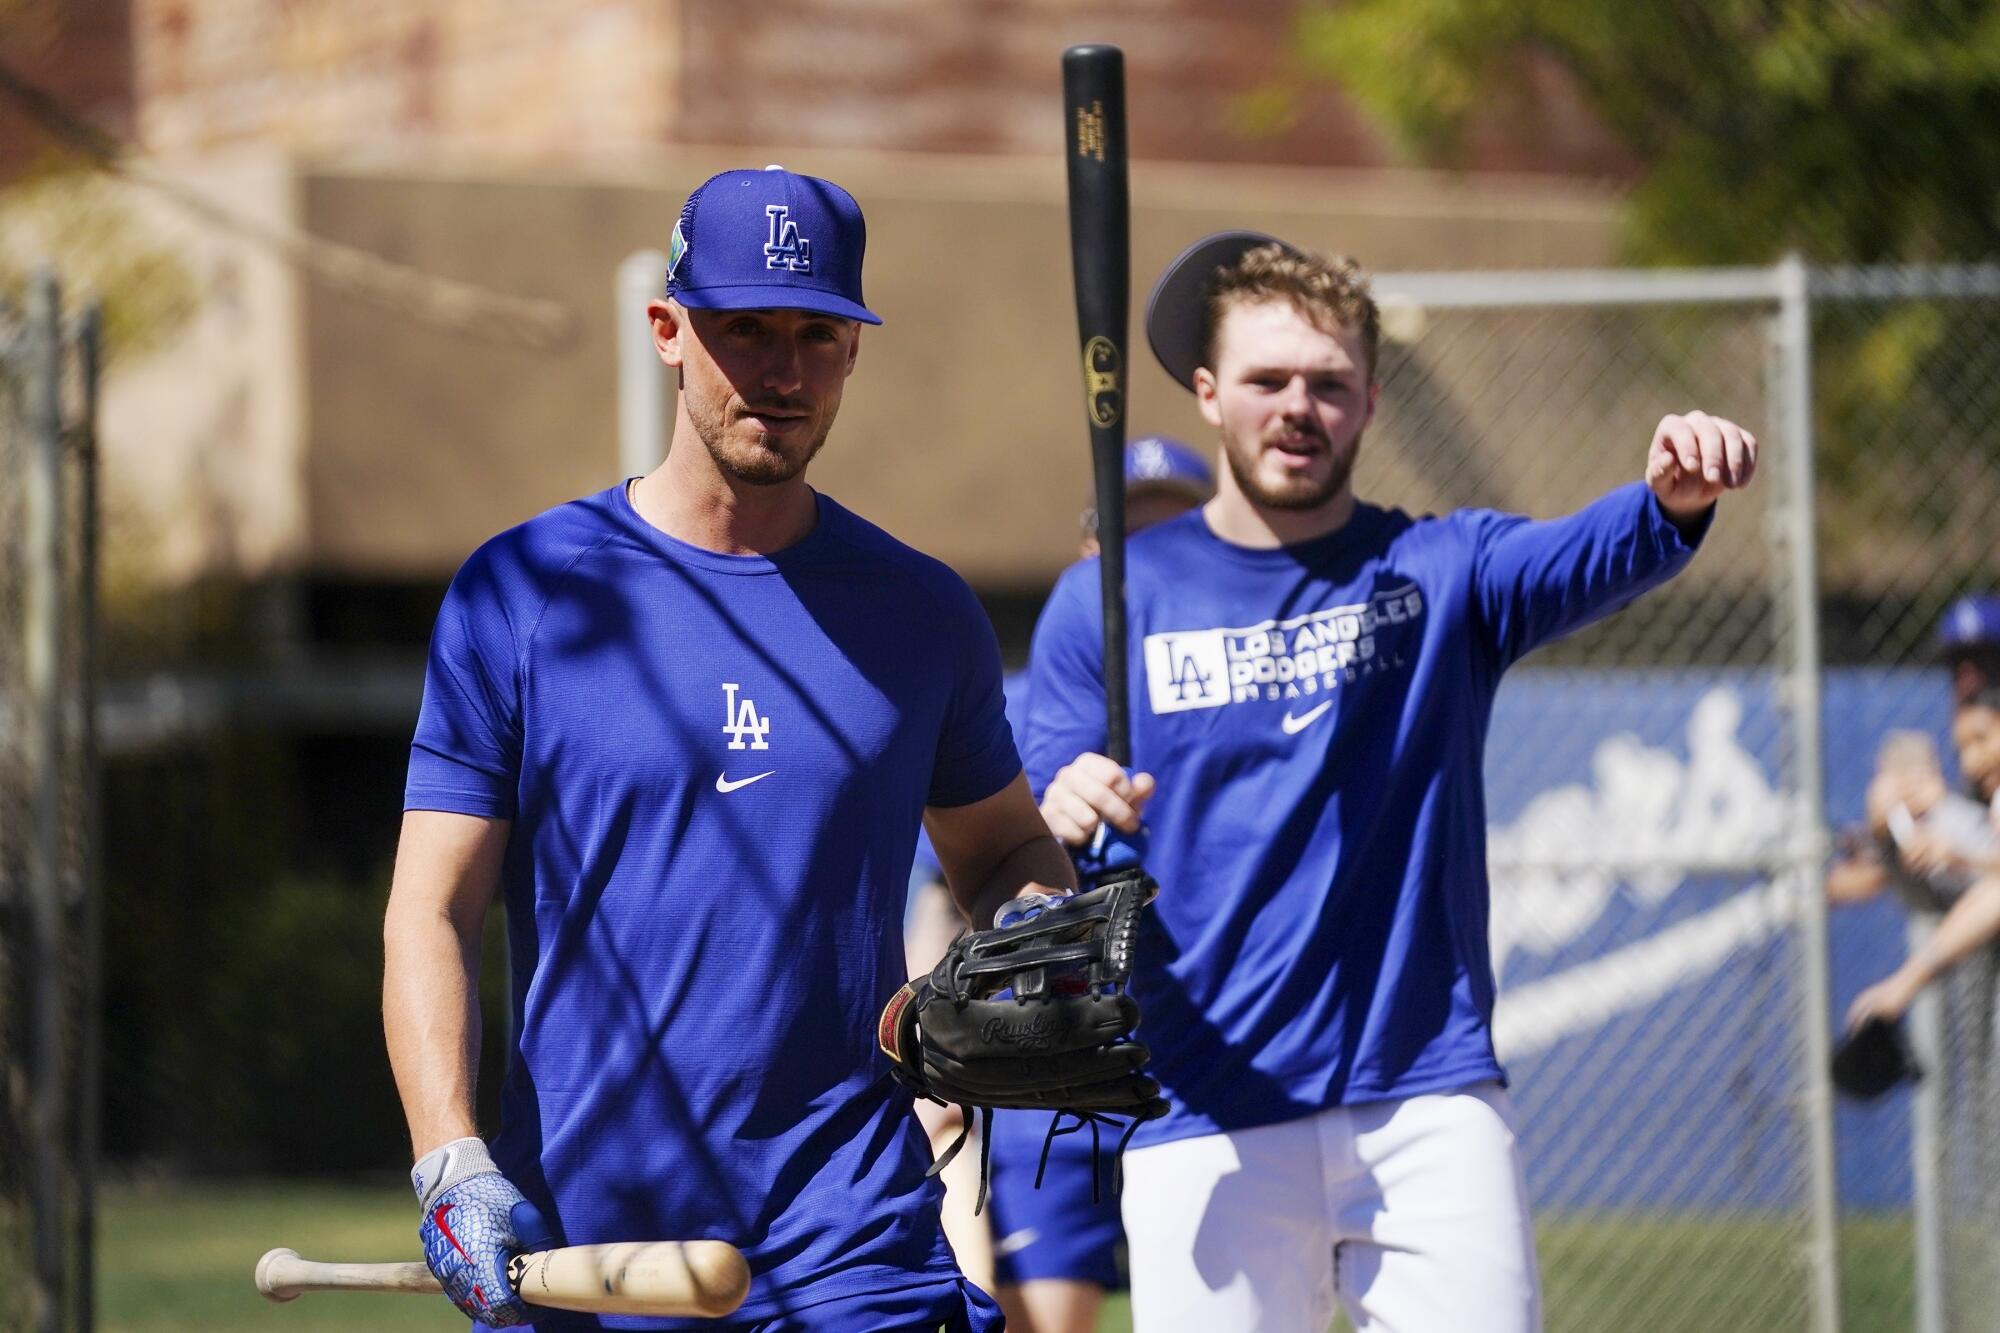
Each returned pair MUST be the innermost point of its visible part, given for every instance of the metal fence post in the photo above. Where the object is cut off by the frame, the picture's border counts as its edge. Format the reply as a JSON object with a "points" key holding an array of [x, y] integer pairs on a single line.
{"points": [[642, 380], [90, 885], [1926, 1139], [42, 640], [1806, 853]]}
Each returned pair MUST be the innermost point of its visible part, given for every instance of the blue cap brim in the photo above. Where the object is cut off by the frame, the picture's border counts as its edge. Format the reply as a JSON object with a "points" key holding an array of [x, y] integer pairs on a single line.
{"points": [[772, 296], [1174, 311]]}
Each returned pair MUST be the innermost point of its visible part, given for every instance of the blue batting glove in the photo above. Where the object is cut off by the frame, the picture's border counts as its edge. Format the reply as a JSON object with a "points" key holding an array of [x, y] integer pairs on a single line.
{"points": [[1025, 908], [1111, 849], [475, 1221]]}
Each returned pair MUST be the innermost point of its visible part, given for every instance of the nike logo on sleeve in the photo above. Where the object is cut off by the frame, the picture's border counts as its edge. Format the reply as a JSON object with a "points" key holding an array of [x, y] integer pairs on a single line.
{"points": [[725, 786], [1294, 725]]}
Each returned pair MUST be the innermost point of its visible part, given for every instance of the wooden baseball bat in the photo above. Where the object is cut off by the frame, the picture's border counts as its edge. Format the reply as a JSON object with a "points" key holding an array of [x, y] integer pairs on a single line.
{"points": [[1100, 251], [705, 1278]]}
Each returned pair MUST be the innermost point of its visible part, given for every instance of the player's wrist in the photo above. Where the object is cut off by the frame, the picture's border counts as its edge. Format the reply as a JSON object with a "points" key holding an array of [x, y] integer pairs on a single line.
{"points": [[1690, 515], [448, 1164]]}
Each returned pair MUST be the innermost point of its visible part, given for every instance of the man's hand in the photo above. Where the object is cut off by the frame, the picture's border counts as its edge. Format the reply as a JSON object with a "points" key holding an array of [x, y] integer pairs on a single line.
{"points": [[1694, 459], [1090, 790], [1932, 854], [1889, 788], [475, 1221], [1888, 999]]}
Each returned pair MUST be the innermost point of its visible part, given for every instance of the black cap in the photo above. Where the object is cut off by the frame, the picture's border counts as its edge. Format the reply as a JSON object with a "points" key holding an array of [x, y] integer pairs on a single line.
{"points": [[1174, 311]]}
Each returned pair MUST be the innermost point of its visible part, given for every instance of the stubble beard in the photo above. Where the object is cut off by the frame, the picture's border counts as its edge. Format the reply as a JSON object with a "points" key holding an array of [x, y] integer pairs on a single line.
{"points": [[755, 464], [1296, 493]]}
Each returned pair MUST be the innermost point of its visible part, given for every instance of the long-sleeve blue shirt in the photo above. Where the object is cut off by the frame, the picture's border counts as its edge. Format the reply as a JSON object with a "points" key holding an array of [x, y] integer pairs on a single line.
{"points": [[1316, 716]]}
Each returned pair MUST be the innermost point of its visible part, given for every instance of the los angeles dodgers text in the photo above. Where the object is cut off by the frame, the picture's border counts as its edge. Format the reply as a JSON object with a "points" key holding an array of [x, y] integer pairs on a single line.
{"points": [[1288, 659]]}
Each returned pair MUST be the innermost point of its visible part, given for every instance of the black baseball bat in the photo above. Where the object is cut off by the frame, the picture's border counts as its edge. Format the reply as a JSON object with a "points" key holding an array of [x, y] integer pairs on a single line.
{"points": [[1100, 251]]}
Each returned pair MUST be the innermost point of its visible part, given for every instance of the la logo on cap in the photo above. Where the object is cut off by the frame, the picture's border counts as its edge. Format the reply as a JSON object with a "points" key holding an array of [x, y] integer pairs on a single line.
{"points": [[786, 248], [769, 240]]}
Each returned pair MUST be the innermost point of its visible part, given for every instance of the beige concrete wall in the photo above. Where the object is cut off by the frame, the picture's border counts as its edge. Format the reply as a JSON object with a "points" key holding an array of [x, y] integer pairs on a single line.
{"points": [[961, 431], [203, 436]]}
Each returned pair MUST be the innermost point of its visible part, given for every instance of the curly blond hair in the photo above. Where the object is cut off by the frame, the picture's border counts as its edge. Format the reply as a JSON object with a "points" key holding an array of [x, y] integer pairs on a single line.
{"points": [[1331, 291]]}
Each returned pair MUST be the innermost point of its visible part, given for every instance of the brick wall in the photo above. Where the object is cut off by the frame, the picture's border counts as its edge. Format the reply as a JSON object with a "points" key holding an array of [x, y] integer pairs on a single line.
{"points": [[78, 50], [984, 77], [515, 79], [600, 80]]}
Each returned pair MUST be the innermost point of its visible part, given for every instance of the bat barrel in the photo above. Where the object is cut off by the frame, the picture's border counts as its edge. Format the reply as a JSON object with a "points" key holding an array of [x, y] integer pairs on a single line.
{"points": [[1100, 253], [697, 1277]]}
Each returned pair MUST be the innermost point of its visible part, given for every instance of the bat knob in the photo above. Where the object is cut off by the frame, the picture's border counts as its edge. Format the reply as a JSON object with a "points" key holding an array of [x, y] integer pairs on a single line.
{"points": [[721, 1272], [267, 1282]]}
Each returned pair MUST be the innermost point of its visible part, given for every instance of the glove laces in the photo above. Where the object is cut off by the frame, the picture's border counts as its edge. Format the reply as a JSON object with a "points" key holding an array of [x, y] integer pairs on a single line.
{"points": [[1092, 1119]]}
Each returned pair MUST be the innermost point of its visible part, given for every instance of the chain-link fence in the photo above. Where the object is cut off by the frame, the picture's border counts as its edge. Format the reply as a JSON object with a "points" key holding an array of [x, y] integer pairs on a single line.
{"points": [[1957, 1141], [48, 909], [1661, 786], [1909, 459]]}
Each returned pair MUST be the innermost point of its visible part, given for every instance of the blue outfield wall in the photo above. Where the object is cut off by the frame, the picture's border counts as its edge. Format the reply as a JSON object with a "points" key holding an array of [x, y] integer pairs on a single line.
{"points": [[1648, 1017]]}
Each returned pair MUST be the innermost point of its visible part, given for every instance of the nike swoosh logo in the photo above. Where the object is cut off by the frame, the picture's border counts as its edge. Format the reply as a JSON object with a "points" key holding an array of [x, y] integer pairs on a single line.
{"points": [[437, 1220], [724, 785], [1017, 1241], [1294, 725]]}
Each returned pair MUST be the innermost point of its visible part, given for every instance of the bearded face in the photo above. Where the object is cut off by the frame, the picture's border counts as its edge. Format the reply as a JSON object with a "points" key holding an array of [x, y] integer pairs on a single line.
{"points": [[1290, 400], [762, 387]]}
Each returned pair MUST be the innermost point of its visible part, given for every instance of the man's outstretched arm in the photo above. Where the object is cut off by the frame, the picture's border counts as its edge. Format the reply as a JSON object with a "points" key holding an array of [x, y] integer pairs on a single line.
{"points": [[1537, 581]]}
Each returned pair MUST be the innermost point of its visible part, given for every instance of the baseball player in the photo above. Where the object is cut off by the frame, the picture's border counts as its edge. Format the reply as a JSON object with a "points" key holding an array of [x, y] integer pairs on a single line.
{"points": [[1311, 679], [1052, 1248], [687, 728]]}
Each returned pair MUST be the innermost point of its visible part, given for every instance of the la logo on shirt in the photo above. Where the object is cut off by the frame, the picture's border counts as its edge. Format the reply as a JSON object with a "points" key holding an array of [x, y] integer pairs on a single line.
{"points": [[1277, 659]]}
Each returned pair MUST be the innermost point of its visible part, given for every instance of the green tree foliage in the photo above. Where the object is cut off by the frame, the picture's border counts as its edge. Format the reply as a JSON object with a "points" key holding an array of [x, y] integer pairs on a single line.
{"points": [[1856, 131], [81, 223], [1850, 131]]}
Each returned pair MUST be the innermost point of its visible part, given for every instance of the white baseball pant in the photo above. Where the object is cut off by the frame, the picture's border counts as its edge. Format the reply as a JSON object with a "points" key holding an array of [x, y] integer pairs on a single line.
{"points": [[1410, 1214]]}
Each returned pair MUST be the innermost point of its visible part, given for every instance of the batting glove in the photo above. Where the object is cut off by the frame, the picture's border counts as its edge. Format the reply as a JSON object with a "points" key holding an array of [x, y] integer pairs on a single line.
{"points": [[474, 1222]]}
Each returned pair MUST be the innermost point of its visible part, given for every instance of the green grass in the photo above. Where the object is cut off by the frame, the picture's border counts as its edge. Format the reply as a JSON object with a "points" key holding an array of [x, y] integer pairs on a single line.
{"points": [[180, 1257], [174, 1258]]}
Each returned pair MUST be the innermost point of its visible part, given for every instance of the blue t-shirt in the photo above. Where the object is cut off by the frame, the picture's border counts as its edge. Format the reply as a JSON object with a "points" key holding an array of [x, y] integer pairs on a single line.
{"points": [[715, 767], [1316, 716], [924, 868]]}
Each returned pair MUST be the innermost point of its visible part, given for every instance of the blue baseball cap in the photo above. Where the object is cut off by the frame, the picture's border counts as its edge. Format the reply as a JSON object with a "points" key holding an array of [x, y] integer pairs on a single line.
{"points": [[1970, 623], [1157, 461], [769, 240]]}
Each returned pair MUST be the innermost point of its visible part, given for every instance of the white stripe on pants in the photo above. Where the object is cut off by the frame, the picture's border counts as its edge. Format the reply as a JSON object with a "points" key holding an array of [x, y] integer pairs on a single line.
{"points": [[1411, 1214]]}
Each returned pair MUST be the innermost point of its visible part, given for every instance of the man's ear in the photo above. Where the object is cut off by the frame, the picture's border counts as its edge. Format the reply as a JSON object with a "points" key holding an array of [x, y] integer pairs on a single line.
{"points": [[669, 326], [1204, 396]]}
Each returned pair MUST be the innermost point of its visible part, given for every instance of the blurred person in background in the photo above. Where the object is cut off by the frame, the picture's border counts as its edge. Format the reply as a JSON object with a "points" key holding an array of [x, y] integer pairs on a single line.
{"points": [[1921, 837], [1926, 840], [1968, 644], [1972, 921], [689, 727], [1052, 1251]]}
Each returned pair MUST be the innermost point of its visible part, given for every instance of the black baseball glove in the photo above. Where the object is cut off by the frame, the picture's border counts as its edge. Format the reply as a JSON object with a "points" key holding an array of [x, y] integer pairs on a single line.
{"points": [[1872, 1059], [1033, 1016]]}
